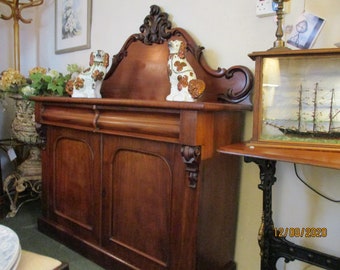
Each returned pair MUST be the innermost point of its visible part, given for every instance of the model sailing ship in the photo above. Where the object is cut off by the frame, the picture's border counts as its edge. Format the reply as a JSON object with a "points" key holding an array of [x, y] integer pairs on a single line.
{"points": [[311, 121]]}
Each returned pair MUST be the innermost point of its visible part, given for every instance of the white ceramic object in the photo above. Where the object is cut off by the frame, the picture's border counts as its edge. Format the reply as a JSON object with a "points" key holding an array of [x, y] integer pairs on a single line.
{"points": [[88, 83], [184, 84]]}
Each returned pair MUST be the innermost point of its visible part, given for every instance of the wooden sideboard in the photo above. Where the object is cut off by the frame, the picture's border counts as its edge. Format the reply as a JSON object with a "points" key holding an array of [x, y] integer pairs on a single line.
{"points": [[141, 184], [132, 181]]}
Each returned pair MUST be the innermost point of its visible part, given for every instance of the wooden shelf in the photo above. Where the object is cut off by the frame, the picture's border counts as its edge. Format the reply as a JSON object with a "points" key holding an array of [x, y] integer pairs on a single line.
{"points": [[316, 157]]}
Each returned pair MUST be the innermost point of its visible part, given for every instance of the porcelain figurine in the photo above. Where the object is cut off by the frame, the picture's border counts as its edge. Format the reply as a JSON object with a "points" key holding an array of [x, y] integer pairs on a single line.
{"points": [[184, 84], [88, 83]]}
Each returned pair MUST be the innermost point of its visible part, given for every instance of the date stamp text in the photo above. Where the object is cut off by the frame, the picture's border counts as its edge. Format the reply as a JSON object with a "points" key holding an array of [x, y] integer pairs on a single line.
{"points": [[300, 232]]}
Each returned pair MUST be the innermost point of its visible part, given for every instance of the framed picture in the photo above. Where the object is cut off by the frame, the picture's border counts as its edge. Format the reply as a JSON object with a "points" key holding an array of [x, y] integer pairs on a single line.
{"points": [[306, 31], [72, 25]]}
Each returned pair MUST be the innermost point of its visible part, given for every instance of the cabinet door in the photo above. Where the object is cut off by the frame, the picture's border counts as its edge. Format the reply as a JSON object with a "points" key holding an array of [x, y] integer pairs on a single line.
{"points": [[72, 175], [149, 213]]}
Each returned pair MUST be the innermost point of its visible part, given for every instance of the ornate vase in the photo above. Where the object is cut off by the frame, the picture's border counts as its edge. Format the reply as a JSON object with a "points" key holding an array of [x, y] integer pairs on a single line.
{"points": [[23, 125]]}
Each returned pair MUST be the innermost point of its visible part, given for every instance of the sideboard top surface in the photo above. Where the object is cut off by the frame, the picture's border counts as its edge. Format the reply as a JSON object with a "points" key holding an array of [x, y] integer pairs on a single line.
{"points": [[202, 106]]}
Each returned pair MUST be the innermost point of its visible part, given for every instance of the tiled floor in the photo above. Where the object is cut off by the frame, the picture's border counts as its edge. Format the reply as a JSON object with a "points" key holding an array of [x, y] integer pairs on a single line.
{"points": [[25, 225]]}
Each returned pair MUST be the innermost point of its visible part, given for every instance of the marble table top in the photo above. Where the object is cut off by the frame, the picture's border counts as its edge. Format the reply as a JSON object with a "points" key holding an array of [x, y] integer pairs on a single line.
{"points": [[10, 249]]}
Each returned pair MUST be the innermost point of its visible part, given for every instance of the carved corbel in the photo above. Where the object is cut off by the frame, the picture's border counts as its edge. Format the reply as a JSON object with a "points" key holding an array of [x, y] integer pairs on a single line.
{"points": [[191, 156]]}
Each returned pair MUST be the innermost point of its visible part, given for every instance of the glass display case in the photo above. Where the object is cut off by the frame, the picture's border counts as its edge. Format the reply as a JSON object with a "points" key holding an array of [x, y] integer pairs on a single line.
{"points": [[297, 98]]}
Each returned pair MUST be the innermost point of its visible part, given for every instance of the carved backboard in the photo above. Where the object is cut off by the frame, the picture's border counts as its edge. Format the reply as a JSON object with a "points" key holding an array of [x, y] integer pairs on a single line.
{"points": [[139, 70]]}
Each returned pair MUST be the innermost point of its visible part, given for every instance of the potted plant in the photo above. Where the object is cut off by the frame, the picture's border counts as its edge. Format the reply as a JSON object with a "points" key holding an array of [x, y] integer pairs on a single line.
{"points": [[40, 82]]}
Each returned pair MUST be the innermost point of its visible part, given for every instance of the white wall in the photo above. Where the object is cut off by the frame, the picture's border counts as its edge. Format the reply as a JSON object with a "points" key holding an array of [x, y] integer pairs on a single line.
{"points": [[229, 30]]}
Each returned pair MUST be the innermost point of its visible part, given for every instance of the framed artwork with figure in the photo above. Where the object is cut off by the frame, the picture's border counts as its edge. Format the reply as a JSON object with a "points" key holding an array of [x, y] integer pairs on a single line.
{"points": [[306, 31], [72, 25]]}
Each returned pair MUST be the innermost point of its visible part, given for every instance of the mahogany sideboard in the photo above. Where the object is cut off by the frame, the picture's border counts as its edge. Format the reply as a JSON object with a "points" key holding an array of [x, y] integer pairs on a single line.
{"points": [[132, 181]]}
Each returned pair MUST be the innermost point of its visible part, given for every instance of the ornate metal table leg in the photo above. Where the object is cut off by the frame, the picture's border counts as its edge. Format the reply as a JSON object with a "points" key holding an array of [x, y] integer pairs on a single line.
{"points": [[26, 178], [274, 247], [267, 177]]}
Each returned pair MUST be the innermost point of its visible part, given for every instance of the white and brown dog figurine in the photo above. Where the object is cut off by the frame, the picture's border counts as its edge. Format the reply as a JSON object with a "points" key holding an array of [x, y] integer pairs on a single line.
{"points": [[184, 84], [88, 83]]}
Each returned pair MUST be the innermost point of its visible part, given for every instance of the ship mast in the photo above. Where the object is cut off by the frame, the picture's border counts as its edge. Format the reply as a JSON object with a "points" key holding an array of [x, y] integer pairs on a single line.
{"points": [[331, 112], [315, 106], [300, 108]]}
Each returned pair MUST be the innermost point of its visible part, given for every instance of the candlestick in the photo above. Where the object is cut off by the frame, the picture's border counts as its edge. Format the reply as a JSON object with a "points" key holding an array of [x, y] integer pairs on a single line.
{"points": [[279, 42]]}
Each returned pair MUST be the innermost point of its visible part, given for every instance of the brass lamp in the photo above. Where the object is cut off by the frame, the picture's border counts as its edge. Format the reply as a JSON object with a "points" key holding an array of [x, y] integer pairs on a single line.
{"points": [[16, 8]]}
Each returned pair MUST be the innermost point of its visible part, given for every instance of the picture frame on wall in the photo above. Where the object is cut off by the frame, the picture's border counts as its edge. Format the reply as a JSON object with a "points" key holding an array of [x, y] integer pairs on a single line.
{"points": [[72, 25]]}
